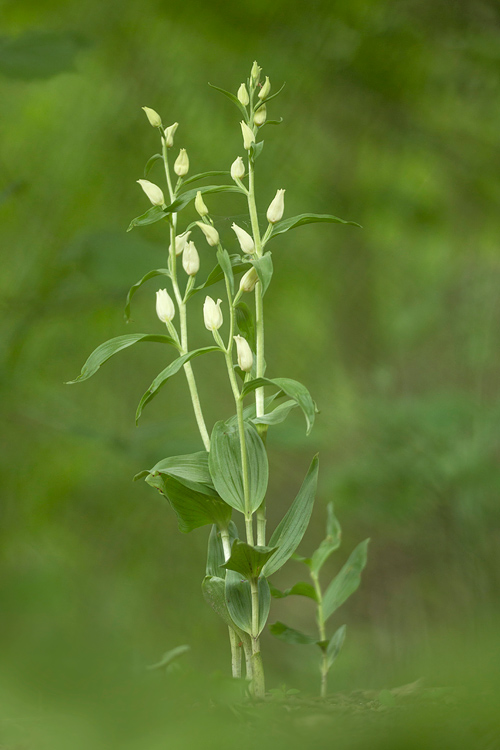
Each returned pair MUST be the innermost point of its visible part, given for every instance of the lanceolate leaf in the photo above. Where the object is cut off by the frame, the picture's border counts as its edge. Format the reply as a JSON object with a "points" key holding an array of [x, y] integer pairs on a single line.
{"points": [[191, 470], [225, 263], [293, 389], [215, 552], [216, 274], [203, 175], [291, 529], [335, 645], [246, 323], [277, 415], [256, 149], [264, 268], [232, 97], [273, 96], [347, 581], [185, 198], [290, 635], [170, 656], [239, 601], [152, 215], [193, 509], [138, 284], [297, 221], [328, 545], [151, 162], [225, 465], [299, 589], [214, 592], [111, 347], [167, 373], [248, 560]]}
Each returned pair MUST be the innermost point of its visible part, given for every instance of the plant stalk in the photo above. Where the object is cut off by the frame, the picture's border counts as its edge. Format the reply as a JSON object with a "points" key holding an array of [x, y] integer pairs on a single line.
{"points": [[322, 635]]}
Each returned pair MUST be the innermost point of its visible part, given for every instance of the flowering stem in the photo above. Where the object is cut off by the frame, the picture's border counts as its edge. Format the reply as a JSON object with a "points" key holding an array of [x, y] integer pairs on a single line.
{"points": [[181, 303], [322, 632], [233, 638]]}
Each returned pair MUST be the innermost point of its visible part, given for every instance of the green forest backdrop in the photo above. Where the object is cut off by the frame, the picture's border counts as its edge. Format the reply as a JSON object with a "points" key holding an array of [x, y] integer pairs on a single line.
{"points": [[391, 118]]}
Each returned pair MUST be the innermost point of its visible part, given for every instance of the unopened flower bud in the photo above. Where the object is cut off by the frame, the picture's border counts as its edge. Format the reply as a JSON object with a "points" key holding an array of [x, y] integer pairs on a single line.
{"points": [[153, 192], [191, 259], [199, 204], [165, 308], [212, 314], [276, 207], [248, 136], [260, 116], [266, 89], [245, 356], [210, 232], [181, 164], [255, 72], [169, 134], [153, 117], [245, 240], [243, 95], [249, 280], [180, 243], [238, 169]]}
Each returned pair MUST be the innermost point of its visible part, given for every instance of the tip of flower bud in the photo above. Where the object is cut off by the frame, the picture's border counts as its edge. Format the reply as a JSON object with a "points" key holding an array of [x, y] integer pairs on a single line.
{"points": [[153, 117], [169, 134]]}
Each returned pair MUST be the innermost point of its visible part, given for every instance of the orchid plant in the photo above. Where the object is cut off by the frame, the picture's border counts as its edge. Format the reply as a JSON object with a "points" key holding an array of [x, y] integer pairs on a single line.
{"points": [[227, 480]]}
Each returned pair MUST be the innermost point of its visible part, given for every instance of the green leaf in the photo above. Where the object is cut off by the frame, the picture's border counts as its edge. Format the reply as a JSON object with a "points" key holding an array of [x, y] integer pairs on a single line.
{"points": [[239, 601], [290, 635], [277, 415], [299, 589], [225, 465], [328, 545], [264, 268], [138, 284], [193, 509], [202, 175], [152, 215], [246, 324], [215, 551], [291, 529], [109, 348], [216, 274], [214, 593], [273, 96], [150, 163], [297, 221], [185, 198], [248, 560], [233, 98], [335, 645], [347, 581], [167, 373], [191, 470], [224, 262], [170, 656], [272, 122], [293, 389], [256, 149]]}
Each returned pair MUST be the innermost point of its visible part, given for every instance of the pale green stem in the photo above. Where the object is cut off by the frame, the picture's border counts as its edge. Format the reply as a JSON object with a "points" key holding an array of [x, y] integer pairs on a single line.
{"points": [[233, 637], [322, 633], [181, 303]]}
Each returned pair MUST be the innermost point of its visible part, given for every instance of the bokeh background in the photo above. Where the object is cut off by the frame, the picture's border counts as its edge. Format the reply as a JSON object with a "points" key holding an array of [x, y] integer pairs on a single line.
{"points": [[391, 113]]}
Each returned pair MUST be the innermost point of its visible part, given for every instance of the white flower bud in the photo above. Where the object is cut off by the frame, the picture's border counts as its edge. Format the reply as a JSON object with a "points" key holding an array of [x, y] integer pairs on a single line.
{"points": [[153, 117], [276, 207], [245, 240], [212, 314], [165, 308], [243, 95], [169, 134], [238, 169], [180, 243], [210, 232], [249, 280], [181, 164], [199, 204], [248, 136], [191, 259], [266, 89], [153, 192], [245, 356], [260, 116], [255, 72]]}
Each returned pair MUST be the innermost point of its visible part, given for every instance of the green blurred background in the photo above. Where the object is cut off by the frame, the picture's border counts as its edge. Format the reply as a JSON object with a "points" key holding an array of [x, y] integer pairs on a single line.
{"points": [[391, 113]]}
